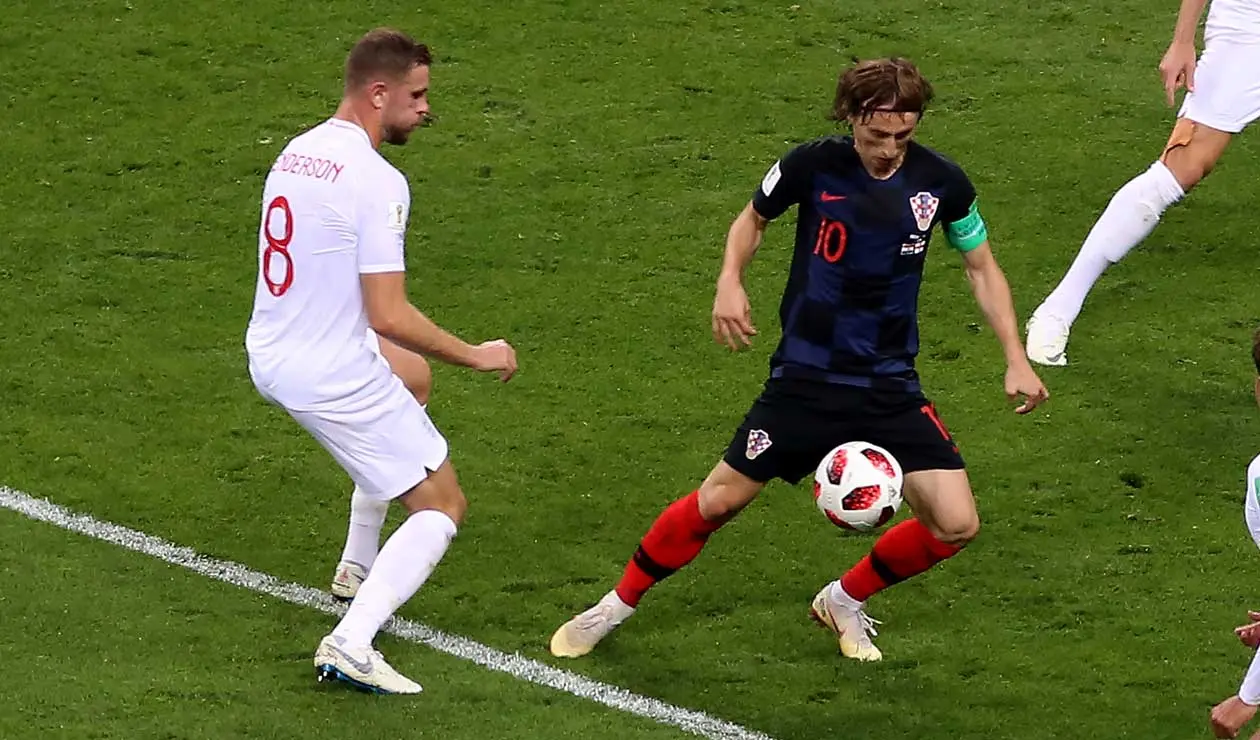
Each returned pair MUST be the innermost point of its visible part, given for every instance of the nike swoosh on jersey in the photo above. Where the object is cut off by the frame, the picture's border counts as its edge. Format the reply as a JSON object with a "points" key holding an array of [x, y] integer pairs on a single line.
{"points": [[828, 197]]}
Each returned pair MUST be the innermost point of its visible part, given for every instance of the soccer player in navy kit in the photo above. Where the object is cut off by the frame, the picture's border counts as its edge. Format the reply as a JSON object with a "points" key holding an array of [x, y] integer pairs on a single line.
{"points": [[844, 367]]}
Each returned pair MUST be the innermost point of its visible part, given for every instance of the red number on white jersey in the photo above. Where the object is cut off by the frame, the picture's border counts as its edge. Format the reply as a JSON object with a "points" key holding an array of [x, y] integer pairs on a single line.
{"points": [[278, 246]]}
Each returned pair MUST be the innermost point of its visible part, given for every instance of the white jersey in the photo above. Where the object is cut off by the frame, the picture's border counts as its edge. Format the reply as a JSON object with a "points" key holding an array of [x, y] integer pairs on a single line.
{"points": [[1233, 21], [1251, 502], [1249, 691], [333, 208]]}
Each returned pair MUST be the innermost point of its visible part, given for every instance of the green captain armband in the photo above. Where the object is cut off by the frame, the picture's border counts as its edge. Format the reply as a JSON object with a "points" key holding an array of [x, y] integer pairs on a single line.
{"points": [[968, 232]]}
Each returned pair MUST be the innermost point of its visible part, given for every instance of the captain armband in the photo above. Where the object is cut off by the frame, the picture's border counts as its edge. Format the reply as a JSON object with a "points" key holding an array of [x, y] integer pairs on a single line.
{"points": [[968, 232]]}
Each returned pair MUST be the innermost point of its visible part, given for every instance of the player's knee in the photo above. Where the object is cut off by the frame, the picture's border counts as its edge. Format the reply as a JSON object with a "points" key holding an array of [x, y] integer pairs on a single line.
{"points": [[454, 505], [459, 510], [446, 497], [957, 531], [419, 381], [1191, 162], [1187, 169], [717, 504], [721, 500], [411, 368]]}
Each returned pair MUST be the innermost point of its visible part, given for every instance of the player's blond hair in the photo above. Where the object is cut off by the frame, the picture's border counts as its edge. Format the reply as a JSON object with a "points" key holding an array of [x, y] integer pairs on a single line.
{"points": [[384, 54], [892, 84]]}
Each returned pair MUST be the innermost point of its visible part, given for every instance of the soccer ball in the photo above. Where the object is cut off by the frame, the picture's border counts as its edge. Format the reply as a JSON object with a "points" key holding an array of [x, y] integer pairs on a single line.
{"points": [[858, 486]]}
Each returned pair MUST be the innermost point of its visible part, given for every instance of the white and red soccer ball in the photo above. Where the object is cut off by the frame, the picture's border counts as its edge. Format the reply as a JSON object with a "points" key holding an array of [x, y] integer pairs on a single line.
{"points": [[858, 486]]}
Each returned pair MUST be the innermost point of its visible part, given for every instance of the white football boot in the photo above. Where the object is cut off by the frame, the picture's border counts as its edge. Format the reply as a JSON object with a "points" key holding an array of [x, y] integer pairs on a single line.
{"points": [[347, 579], [1047, 339], [852, 627], [362, 668], [580, 635]]}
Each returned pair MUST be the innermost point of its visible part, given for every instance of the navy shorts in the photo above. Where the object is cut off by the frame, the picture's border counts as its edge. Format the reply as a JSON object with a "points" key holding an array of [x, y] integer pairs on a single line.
{"points": [[794, 423]]}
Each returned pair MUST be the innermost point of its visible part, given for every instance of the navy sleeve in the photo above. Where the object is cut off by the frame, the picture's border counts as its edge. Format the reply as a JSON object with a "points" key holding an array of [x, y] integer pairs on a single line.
{"points": [[959, 194], [787, 183], [960, 213]]}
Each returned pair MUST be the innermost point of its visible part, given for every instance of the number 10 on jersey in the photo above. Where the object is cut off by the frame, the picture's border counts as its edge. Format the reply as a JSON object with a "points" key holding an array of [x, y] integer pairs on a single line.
{"points": [[276, 254], [832, 239]]}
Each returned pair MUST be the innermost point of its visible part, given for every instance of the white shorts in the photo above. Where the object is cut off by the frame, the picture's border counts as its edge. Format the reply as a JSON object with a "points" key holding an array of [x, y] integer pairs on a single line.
{"points": [[381, 437], [1226, 93]]}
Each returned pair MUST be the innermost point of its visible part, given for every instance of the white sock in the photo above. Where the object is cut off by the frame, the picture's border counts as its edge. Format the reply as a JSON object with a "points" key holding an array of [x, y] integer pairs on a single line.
{"points": [[408, 557], [363, 541], [1130, 217], [840, 597]]}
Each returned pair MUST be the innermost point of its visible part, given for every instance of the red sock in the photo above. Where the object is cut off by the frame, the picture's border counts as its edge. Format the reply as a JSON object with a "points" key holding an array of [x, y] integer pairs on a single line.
{"points": [[906, 550], [675, 539]]}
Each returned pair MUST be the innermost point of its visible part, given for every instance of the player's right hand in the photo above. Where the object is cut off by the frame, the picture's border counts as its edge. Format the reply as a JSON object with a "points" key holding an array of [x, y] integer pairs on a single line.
{"points": [[495, 356], [732, 316], [1249, 634], [1177, 69]]}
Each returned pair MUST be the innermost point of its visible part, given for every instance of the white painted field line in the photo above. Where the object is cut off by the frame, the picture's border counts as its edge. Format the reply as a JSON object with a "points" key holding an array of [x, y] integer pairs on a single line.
{"points": [[517, 666]]}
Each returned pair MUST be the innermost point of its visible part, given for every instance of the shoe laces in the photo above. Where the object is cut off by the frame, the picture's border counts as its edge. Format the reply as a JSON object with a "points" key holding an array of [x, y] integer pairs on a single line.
{"points": [[868, 623], [866, 627]]}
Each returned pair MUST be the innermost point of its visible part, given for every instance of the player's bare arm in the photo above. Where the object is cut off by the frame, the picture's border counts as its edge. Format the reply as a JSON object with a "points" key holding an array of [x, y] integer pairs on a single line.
{"points": [[393, 316], [1177, 66], [993, 294], [732, 313]]}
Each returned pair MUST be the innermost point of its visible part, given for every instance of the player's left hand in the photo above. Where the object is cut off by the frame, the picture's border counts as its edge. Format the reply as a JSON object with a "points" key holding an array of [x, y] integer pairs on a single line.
{"points": [[1249, 634], [1022, 380], [1229, 716], [496, 356]]}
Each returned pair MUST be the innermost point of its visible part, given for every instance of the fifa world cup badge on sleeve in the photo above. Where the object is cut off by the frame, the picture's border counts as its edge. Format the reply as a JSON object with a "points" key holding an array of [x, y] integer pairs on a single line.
{"points": [[397, 216], [923, 206]]}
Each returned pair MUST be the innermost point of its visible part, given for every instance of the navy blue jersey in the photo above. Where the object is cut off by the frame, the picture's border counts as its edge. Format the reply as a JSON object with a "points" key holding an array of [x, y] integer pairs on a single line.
{"points": [[849, 313]]}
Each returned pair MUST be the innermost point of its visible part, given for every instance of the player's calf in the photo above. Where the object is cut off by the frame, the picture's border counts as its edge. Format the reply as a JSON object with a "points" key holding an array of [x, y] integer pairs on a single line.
{"points": [[945, 522], [681, 531], [674, 540]]}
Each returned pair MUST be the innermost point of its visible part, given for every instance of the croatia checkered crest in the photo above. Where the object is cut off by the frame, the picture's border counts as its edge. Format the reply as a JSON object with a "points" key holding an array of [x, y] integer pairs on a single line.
{"points": [[858, 486]]}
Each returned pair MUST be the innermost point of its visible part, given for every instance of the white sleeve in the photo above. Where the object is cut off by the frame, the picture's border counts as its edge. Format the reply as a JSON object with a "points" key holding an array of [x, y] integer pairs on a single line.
{"points": [[1251, 505], [382, 224], [1249, 692]]}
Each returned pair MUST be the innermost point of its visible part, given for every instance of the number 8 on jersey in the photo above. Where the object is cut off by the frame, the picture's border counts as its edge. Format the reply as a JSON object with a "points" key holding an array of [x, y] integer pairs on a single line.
{"points": [[278, 247]]}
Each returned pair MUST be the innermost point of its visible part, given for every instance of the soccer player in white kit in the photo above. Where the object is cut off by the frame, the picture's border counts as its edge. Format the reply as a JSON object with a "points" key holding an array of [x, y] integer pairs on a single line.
{"points": [[1222, 98], [1230, 715], [331, 278]]}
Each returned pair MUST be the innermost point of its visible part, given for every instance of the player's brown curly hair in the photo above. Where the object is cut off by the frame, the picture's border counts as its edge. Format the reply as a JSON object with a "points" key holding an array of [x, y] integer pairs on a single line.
{"points": [[1255, 350], [384, 53], [894, 84]]}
